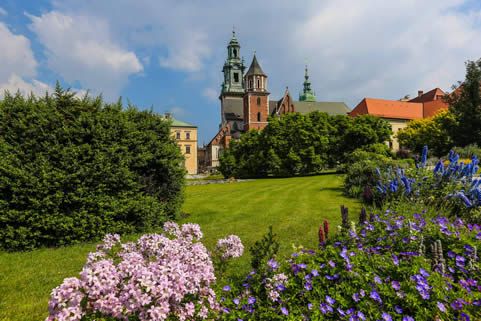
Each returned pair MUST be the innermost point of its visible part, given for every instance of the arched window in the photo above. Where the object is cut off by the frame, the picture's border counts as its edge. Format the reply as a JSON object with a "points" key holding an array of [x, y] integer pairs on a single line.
{"points": [[259, 116], [251, 84], [258, 83], [235, 53], [258, 101]]}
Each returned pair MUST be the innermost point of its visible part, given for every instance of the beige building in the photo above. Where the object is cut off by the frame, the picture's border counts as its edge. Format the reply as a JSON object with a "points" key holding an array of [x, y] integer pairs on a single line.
{"points": [[399, 112], [185, 135]]}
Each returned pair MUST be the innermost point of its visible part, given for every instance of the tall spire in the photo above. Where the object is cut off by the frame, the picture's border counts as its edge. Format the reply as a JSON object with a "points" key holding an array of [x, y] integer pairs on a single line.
{"points": [[307, 93], [233, 68]]}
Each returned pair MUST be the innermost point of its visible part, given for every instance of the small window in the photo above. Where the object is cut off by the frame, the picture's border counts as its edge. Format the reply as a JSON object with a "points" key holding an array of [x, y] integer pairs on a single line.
{"points": [[187, 135], [235, 53], [177, 135], [187, 149], [236, 77], [258, 101], [258, 83], [258, 116], [251, 84]]}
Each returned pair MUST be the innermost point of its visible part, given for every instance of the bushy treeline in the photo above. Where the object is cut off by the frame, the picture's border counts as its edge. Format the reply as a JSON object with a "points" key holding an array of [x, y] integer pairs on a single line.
{"points": [[297, 144], [73, 169]]}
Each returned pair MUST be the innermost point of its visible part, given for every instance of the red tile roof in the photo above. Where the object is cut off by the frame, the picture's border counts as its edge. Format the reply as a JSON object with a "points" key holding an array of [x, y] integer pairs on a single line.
{"points": [[388, 109], [431, 95], [426, 105]]}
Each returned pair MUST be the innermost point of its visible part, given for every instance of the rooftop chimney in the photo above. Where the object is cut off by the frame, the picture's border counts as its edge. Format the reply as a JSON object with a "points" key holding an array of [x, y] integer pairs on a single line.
{"points": [[420, 93]]}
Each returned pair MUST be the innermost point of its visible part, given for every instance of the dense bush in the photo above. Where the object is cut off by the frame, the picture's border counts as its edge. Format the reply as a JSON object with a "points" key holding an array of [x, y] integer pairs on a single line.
{"points": [[361, 172], [75, 169], [467, 152], [391, 267], [296, 144]]}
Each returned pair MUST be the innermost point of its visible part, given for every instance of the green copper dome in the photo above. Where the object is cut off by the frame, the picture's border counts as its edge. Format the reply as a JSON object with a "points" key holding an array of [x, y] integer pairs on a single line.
{"points": [[307, 93]]}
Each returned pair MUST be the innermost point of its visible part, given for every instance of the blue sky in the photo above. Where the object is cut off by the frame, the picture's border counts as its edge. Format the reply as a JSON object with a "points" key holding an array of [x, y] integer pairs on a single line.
{"points": [[168, 54]]}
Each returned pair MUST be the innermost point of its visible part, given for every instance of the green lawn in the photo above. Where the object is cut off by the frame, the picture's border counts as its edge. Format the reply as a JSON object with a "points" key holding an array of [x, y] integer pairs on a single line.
{"points": [[294, 207]]}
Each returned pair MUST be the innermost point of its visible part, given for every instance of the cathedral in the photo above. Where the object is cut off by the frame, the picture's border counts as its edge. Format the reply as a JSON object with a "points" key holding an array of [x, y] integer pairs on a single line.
{"points": [[245, 103]]}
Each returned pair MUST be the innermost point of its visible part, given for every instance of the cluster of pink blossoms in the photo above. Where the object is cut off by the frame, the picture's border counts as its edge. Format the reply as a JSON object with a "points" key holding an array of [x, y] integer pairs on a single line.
{"points": [[157, 277], [230, 247]]}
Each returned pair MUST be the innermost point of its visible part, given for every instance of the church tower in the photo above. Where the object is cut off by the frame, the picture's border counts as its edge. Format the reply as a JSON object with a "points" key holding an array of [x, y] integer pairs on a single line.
{"points": [[307, 93], [233, 88], [256, 98]]}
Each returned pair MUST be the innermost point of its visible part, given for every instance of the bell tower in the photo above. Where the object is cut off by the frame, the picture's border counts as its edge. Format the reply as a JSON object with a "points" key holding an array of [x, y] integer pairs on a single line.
{"points": [[232, 88], [256, 98]]}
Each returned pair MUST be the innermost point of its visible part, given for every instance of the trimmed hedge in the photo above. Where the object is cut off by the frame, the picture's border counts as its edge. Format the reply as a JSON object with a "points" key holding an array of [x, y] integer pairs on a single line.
{"points": [[75, 169]]}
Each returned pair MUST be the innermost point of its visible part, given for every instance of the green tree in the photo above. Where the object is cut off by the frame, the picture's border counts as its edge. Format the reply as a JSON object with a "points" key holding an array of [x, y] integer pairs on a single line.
{"points": [[297, 144], [75, 169], [465, 105], [428, 131]]}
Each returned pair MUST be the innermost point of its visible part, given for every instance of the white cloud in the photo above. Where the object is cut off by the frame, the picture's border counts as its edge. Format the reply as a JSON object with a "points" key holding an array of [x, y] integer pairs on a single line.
{"points": [[3, 12], [18, 62], [81, 49], [16, 83], [178, 112], [16, 56], [211, 94], [354, 48], [186, 55]]}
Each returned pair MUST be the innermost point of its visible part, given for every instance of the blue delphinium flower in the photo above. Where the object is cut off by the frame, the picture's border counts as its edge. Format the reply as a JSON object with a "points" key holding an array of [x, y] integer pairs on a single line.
{"points": [[424, 156]]}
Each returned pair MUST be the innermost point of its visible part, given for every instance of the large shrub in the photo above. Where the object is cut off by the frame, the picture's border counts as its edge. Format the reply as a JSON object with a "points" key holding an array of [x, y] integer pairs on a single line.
{"points": [[75, 169], [361, 172], [428, 131]]}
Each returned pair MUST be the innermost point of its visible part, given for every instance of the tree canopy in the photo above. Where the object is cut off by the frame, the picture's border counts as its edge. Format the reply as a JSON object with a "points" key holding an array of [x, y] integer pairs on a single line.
{"points": [[297, 144]]}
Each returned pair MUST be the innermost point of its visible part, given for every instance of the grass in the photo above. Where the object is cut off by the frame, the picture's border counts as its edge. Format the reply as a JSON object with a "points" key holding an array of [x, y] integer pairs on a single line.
{"points": [[293, 206]]}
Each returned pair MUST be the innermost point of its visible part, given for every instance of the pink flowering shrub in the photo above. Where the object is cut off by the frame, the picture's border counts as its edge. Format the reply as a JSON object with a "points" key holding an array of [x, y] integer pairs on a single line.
{"points": [[156, 278], [230, 247]]}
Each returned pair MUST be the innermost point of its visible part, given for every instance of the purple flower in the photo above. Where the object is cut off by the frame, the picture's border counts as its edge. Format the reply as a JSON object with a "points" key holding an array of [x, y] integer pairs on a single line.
{"points": [[330, 300], [375, 296], [308, 286], [464, 317], [377, 279], [457, 304], [407, 318], [314, 273], [236, 301], [226, 288], [356, 297], [273, 264], [395, 260], [460, 261], [398, 309], [441, 307], [251, 300], [284, 311], [386, 316], [396, 285]]}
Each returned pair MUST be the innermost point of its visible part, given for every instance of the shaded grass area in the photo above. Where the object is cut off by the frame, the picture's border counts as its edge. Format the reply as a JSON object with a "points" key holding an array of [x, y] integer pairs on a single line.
{"points": [[293, 206]]}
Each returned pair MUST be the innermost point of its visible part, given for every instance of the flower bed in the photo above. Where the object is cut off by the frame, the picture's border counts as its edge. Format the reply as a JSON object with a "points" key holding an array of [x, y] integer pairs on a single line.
{"points": [[392, 267], [156, 278]]}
